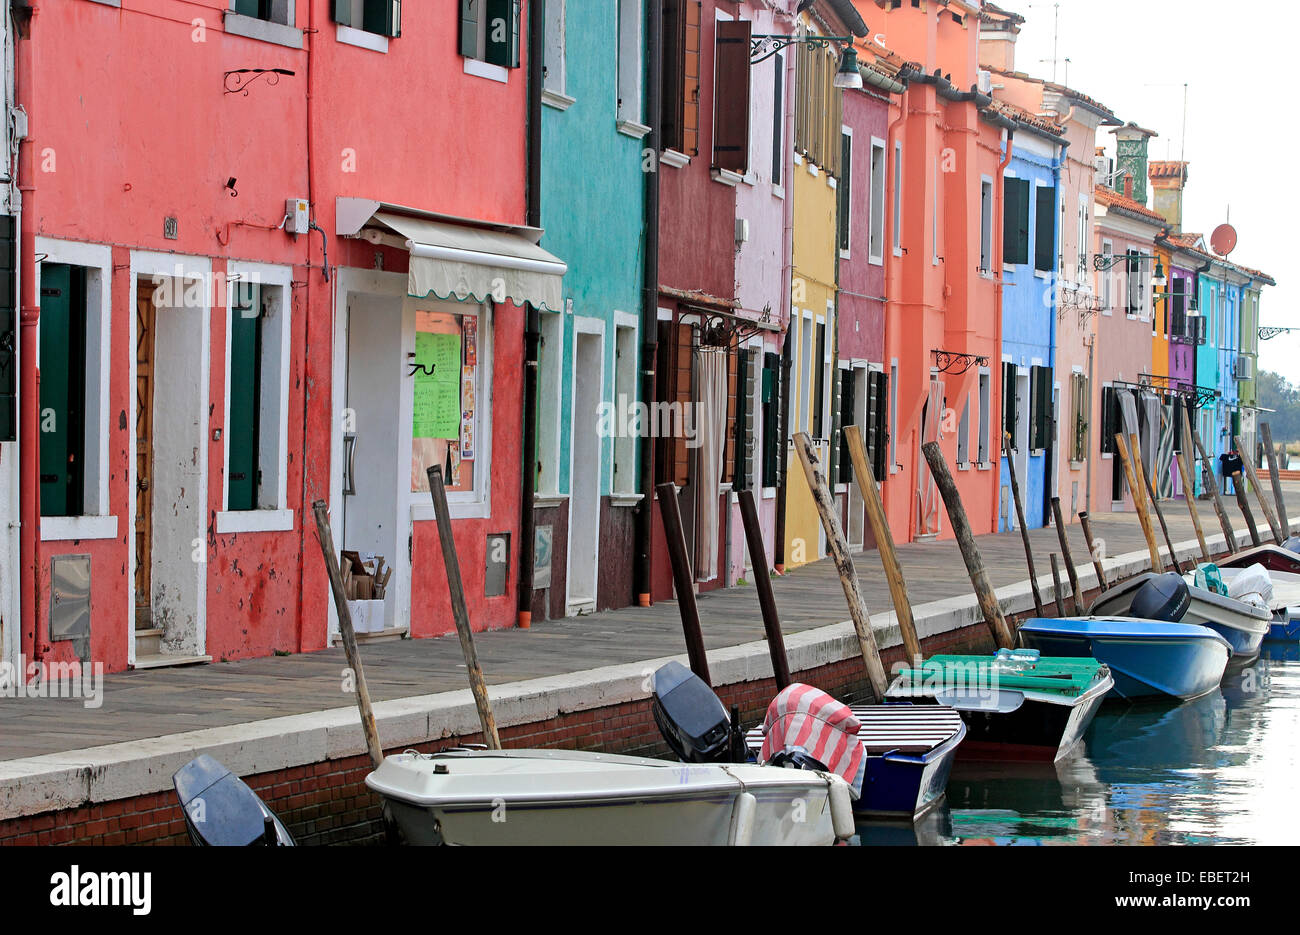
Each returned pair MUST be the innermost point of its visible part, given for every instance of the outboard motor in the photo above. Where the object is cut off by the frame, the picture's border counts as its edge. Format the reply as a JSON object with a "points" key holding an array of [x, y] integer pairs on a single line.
{"points": [[692, 718], [1163, 597], [221, 811]]}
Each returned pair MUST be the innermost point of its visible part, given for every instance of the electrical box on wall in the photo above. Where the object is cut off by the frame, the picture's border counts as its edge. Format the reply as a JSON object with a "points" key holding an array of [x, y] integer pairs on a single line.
{"points": [[295, 216]]}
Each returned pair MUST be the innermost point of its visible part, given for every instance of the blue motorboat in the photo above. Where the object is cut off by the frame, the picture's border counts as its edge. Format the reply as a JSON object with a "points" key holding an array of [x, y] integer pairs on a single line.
{"points": [[1242, 625], [1147, 658]]}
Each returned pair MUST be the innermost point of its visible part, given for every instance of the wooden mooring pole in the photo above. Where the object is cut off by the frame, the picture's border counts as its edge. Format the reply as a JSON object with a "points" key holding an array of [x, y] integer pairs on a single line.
{"points": [[1020, 521], [1076, 599], [839, 554], [1189, 494], [1211, 484], [1266, 434], [1239, 488], [1093, 549], [459, 610], [1249, 461], [683, 580], [884, 544], [1164, 527], [763, 584], [1139, 501], [1056, 586], [970, 553]]}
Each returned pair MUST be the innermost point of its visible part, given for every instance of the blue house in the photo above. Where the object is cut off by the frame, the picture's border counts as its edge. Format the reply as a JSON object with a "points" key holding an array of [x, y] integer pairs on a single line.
{"points": [[1030, 244]]}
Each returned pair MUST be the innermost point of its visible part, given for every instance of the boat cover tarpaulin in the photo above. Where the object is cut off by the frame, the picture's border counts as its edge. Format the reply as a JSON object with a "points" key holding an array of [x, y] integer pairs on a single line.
{"points": [[806, 718]]}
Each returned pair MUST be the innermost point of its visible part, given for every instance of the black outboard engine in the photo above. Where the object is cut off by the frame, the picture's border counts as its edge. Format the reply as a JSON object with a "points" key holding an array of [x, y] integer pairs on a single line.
{"points": [[1162, 597], [692, 718], [221, 811]]}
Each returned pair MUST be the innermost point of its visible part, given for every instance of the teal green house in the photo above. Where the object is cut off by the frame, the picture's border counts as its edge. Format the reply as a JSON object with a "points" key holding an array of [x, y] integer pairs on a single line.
{"points": [[593, 190]]}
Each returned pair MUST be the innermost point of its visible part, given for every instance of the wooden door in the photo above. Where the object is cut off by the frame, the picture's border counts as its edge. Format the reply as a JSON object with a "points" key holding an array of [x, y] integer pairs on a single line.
{"points": [[145, 318]]}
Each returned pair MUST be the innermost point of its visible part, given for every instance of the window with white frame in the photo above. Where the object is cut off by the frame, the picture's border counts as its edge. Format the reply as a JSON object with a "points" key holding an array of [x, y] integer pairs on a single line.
{"points": [[625, 396], [550, 399], [963, 434], [1084, 240], [553, 47], [805, 372], [272, 11], [876, 234], [489, 31], [451, 397], [1107, 279], [986, 224], [629, 61], [982, 442], [898, 208], [893, 414], [257, 388], [381, 17]]}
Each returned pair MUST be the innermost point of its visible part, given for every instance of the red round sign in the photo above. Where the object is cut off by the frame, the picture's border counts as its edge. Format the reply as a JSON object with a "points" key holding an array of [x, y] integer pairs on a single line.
{"points": [[1223, 239]]}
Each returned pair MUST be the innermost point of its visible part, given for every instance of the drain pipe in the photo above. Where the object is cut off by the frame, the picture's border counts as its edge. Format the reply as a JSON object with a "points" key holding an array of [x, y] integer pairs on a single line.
{"points": [[29, 376], [532, 324], [650, 295], [999, 286]]}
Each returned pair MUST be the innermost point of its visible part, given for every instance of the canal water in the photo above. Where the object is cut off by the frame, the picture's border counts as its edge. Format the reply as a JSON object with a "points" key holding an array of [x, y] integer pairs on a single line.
{"points": [[1224, 769]]}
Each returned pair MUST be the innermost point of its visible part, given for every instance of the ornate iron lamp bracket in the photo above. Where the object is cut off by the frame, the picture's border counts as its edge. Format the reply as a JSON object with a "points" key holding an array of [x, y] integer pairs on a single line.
{"points": [[237, 80], [763, 47], [1272, 332], [954, 363]]}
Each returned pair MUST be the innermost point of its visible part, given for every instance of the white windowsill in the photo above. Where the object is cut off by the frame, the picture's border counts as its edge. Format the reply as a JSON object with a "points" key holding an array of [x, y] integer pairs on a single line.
{"points": [[625, 499], [360, 38], [67, 528], [557, 99], [769, 493], [459, 509], [236, 24], [235, 521], [631, 128], [671, 157], [983, 466], [778, 191], [726, 177], [550, 500], [486, 70]]}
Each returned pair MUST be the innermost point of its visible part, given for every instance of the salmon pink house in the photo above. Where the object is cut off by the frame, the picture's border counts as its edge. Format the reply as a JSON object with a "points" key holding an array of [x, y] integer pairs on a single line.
{"points": [[273, 301]]}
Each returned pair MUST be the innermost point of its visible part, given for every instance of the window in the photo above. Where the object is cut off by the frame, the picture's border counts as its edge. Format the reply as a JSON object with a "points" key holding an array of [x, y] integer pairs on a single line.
{"points": [[1134, 284], [817, 108], [550, 398], [805, 373], [450, 398], [489, 32], [963, 434], [1110, 419], [553, 47], [1084, 240], [1009, 403], [1177, 300], [1045, 229], [819, 383], [1040, 418], [749, 403], [629, 61], [1079, 407], [773, 435], [64, 403], [273, 11], [257, 390], [778, 118], [880, 402], [848, 406], [680, 103], [1107, 280], [876, 233], [898, 199], [934, 215], [382, 17], [265, 20], [625, 397], [844, 199], [1015, 221], [893, 415], [982, 444], [986, 225], [731, 96], [8, 342]]}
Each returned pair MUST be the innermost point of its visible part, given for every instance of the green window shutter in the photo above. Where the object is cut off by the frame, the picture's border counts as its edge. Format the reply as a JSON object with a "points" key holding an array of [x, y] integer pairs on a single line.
{"points": [[818, 377], [8, 331], [843, 185], [502, 44], [1041, 416], [341, 10], [259, 9], [244, 393], [1045, 229], [740, 449], [1015, 220], [382, 17], [63, 390], [848, 406], [470, 11], [771, 419], [1008, 403], [837, 396], [878, 428]]}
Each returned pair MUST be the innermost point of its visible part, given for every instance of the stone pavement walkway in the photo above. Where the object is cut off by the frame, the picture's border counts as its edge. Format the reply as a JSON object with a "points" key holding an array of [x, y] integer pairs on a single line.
{"points": [[150, 703]]}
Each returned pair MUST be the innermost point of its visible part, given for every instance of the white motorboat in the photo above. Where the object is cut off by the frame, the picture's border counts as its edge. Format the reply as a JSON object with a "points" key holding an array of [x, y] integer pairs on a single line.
{"points": [[570, 797]]}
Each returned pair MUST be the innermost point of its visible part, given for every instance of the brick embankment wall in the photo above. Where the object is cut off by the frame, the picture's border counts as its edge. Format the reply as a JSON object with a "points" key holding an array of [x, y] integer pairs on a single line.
{"points": [[328, 802]]}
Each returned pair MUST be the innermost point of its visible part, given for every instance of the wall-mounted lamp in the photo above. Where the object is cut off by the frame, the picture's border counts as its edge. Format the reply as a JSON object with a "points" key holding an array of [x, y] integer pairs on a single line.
{"points": [[763, 47]]}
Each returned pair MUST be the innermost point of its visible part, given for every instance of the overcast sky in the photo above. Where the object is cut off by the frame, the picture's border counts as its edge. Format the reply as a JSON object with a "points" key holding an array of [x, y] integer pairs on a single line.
{"points": [[1238, 61]]}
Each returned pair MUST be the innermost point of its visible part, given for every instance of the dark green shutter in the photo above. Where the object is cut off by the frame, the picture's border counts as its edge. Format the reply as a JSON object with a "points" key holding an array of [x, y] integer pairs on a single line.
{"points": [[878, 420], [1015, 220], [383, 17], [1041, 416], [63, 389], [837, 396], [8, 331], [1045, 229], [819, 380], [744, 445], [244, 393], [470, 11], [771, 419], [844, 184], [501, 46], [848, 407], [1008, 403], [342, 12]]}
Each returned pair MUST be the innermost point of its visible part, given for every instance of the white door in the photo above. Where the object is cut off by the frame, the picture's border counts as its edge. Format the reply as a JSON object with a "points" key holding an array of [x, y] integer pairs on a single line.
{"points": [[584, 476]]}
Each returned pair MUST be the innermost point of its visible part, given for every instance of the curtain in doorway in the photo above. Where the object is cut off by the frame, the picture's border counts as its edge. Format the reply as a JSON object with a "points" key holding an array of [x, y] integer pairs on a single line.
{"points": [[927, 490], [711, 426]]}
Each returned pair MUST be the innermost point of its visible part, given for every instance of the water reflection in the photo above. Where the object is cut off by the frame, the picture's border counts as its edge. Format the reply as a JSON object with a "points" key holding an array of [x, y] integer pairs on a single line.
{"points": [[1223, 769]]}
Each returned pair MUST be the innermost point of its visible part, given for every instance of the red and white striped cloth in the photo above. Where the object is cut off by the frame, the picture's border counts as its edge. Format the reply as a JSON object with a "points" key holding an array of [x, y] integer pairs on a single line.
{"points": [[807, 718]]}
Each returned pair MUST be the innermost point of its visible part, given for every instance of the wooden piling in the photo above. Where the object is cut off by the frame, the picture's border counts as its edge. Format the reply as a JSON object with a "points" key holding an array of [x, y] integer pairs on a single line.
{"points": [[1020, 521], [1266, 433], [1065, 554], [970, 553], [1239, 488], [1086, 524], [1249, 462], [1211, 484], [843, 560], [884, 543], [683, 580], [1056, 586], [1164, 527], [763, 584], [459, 610], [1189, 494], [1139, 502]]}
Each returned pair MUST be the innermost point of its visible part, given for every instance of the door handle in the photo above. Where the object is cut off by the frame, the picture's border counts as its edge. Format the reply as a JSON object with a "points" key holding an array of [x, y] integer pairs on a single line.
{"points": [[349, 454], [142, 484]]}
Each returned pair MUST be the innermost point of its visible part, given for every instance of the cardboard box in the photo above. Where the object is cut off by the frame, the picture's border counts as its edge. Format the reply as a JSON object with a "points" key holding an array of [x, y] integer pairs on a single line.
{"points": [[367, 616]]}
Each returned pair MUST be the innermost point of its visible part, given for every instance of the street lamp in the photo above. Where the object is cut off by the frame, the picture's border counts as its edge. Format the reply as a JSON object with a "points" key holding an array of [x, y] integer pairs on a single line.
{"points": [[847, 76]]}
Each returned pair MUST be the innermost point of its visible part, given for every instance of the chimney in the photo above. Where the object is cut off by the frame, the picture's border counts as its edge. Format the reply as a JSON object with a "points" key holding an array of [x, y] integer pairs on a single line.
{"points": [[1131, 156], [1128, 186], [997, 38], [1168, 179]]}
